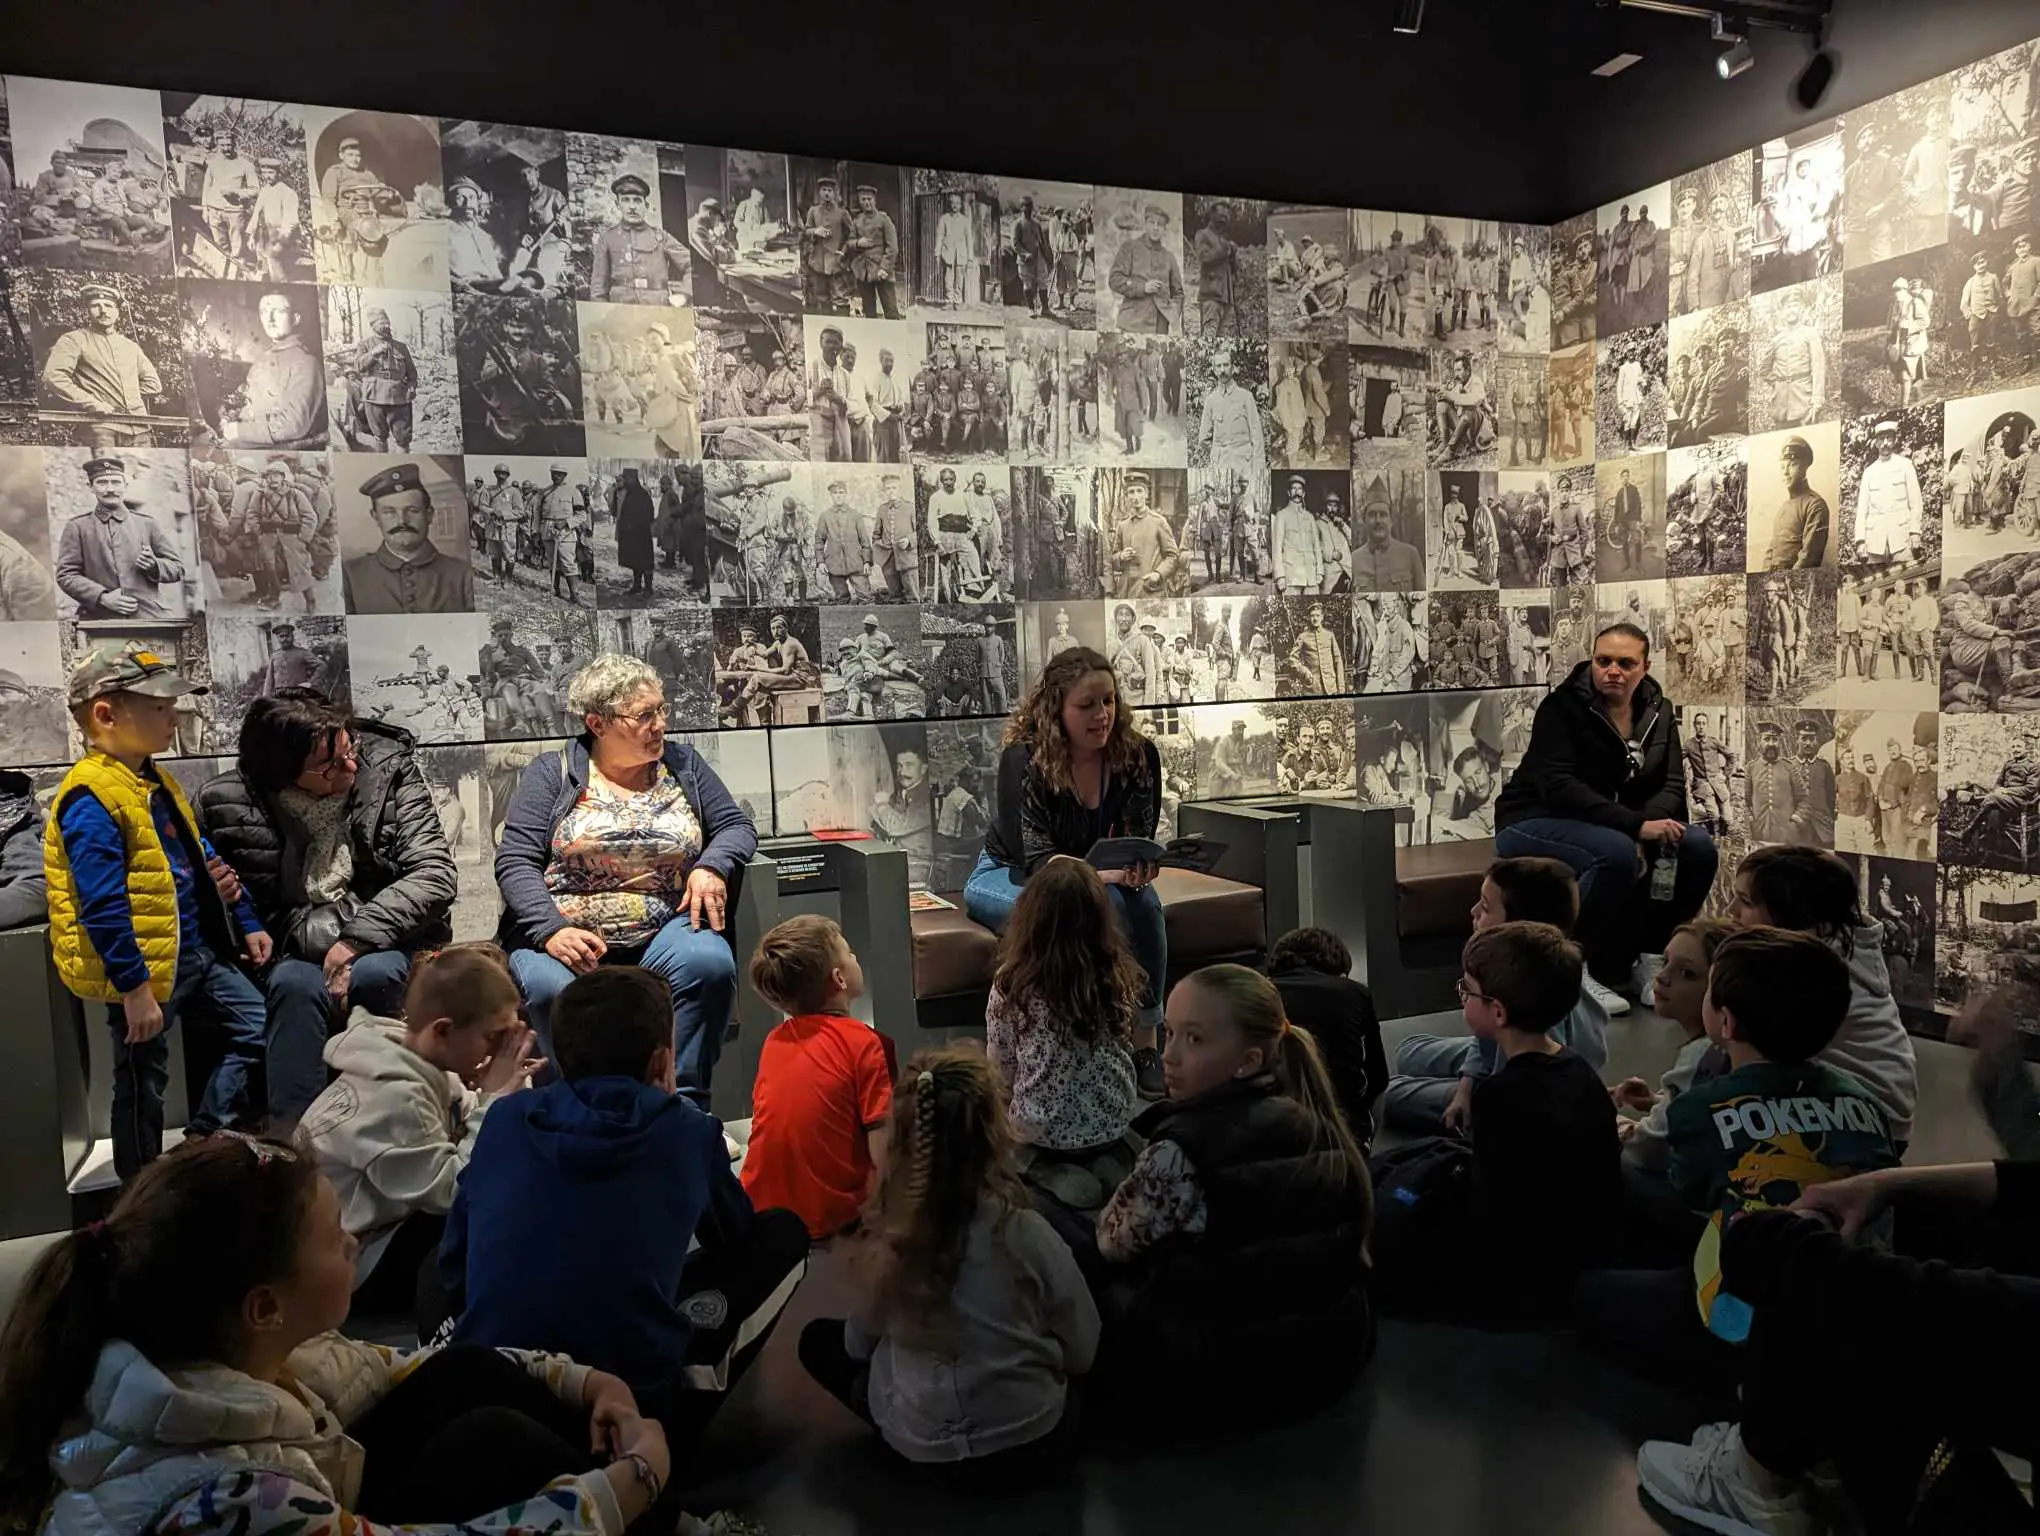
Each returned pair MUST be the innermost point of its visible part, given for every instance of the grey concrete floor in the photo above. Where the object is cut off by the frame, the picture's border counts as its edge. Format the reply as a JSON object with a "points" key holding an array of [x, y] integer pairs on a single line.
{"points": [[1450, 1431]]}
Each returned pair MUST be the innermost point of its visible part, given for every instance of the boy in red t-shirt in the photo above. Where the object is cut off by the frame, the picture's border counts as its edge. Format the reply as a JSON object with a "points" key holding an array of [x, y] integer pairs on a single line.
{"points": [[822, 1096]]}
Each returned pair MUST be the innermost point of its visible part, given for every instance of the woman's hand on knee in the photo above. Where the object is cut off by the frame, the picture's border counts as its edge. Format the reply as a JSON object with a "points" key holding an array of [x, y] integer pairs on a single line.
{"points": [[578, 949]]}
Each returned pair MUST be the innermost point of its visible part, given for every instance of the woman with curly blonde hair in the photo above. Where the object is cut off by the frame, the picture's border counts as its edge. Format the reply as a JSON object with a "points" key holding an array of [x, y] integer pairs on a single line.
{"points": [[1074, 770]]}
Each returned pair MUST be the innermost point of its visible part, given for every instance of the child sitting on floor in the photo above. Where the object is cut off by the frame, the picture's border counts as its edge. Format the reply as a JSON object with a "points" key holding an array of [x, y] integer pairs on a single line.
{"points": [[173, 1369], [822, 1093], [1313, 970], [1059, 1027], [394, 1129], [1678, 994], [1435, 1075], [1810, 891], [1250, 1186], [576, 1214], [971, 1315]]}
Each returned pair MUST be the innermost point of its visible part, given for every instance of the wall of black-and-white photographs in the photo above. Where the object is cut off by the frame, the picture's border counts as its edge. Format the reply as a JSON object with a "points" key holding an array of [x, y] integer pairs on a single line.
{"points": [[427, 412]]}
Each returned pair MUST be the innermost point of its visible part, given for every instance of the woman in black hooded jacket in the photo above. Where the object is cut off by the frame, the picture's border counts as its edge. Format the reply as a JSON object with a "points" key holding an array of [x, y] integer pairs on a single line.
{"points": [[1602, 788]]}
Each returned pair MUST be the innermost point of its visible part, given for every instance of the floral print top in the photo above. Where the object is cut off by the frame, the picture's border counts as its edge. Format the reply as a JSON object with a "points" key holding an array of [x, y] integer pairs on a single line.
{"points": [[620, 858], [1066, 1094], [1160, 1198], [251, 1501]]}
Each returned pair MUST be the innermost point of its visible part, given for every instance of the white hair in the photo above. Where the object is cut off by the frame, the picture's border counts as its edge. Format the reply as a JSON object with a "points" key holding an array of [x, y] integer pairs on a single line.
{"points": [[608, 682]]}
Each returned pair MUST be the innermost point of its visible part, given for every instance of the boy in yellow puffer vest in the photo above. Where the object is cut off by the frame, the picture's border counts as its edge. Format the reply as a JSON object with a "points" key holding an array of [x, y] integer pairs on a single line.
{"points": [[136, 919]]}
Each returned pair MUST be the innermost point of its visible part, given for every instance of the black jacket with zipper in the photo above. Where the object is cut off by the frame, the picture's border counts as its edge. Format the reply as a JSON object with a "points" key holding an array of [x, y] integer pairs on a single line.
{"points": [[1578, 768]]}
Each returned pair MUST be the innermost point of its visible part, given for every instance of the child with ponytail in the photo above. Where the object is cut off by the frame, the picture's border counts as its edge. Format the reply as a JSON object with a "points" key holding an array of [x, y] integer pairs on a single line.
{"points": [[972, 1315], [173, 1370], [1250, 1189]]}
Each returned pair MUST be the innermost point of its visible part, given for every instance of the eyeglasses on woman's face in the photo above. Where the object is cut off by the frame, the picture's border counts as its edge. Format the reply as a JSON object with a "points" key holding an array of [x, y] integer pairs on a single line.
{"points": [[341, 757], [656, 715]]}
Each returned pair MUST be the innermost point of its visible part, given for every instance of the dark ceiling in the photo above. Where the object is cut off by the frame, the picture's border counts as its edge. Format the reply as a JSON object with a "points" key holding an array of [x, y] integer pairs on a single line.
{"points": [[1489, 111]]}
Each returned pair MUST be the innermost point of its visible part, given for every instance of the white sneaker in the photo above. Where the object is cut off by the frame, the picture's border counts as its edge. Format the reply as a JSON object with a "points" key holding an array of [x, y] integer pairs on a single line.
{"points": [[1611, 1000], [1643, 976], [1708, 1484]]}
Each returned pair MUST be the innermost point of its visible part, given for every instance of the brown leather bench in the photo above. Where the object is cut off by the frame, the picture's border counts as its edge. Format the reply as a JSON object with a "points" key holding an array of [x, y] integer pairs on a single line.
{"points": [[1436, 887]]}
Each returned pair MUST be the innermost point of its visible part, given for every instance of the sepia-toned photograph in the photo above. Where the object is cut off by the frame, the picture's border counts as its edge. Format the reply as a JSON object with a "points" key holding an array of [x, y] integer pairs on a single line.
{"points": [[1704, 662], [27, 591], [1570, 433], [1575, 282], [1572, 538], [1393, 631], [1139, 254], [966, 512], [380, 216], [1796, 197], [970, 659], [520, 373], [1629, 389], [391, 381], [1709, 250], [1461, 401], [1887, 636], [1893, 489], [652, 537], [1140, 406], [1523, 522], [640, 378], [510, 230], [623, 250], [1630, 499], [677, 641], [91, 162], [532, 536], [1226, 255], [1897, 182], [963, 784], [1887, 795], [766, 671], [1790, 776], [1310, 262], [267, 531], [421, 672], [1989, 811], [1310, 405], [404, 534], [1709, 381], [1048, 267], [1794, 487], [122, 529], [1387, 280], [1467, 641], [258, 379], [108, 357], [1712, 745], [1633, 262], [1523, 401], [1389, 388], [855, 256], [1462, 536], [1523, 289], [239, 188], [1791, 649], [1707, 508], [1053, 394], [955, 238], [744, 235], [1992, 110]]}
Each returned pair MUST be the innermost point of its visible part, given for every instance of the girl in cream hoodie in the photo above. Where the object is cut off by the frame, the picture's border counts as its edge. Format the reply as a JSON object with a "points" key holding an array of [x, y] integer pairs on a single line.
{"points": [[172, 1370], [393, 1130], [1785, 886]]}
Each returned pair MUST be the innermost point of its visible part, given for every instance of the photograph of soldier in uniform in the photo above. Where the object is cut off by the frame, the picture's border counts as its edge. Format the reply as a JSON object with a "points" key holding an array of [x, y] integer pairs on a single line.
{"points": [[1057, 552], [1232, 636], [970, 659], [676, 641], [257, 378], [1709, 383], [1575, 285], [420, 672], [1523, 522], [744, 232], [1311, 638], [507, 189], [1462, 534], [520, 376], [267, 531], [766, 666], [1903, 332], [1225, 266], [1310, 271], [1994, 112], [391, 384], [856, 255], [1630, 497], [1142, 421], [1993, 496], [1987, 930], [1633, 262], [404, 535], [1390, 521], [966, 516], [1711, 739], [1523, 405], [109, 358], [1790, 775], [1897, 181], [379, 199], [1796, 195], [955, 243], [641, 381], [1462, 262], [1629, 388], [878, 390], [1225, 390], [1887, 776], [91, 162], [1048, 260], [1466, 640], [1053, 627], [1052, 396], [754, 365], [872, 780], [1706, 508], [1795, 343], [1646, 604], [1573, 540], [842, 554], [35, 723], [1989, 812], [1309, 403], [1897, 895], [27, 591], [1225, 537], [1389, 386], [1384, 286], [254, 656], [1460, 402], [1708, 253], [623, 252], [963, 758], [1703, 661], [651, 538], [1523, 289], [1526, 641], [535, 551], [187, 648], [1887, 636], [1791, 653], [761, 532], [1794, 487], [1476, 742], [518, 686], [1143, 515], [1392, 630], [122, 529], [1140, 262], [1569, 407], [1238, 748], [1392, 755], [239, 188], [1311, 748], [1892, 489]]}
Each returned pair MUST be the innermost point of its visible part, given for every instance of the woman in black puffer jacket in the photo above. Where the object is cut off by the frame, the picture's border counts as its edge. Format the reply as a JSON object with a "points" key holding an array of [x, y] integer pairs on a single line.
{"points": [[331, 826]]}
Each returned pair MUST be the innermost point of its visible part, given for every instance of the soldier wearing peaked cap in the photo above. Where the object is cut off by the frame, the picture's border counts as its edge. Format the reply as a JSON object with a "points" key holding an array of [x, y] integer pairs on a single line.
{"points": [[114, 560], [290, 664], [1802, 527], [100, 372], [635, 262], [407, 573], [824, 238], [1148, 278], [874, 256]]}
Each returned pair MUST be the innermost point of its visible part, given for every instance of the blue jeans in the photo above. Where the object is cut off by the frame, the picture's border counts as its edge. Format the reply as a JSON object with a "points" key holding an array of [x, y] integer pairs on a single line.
{"points": [[697, 964], [226, 998], [1427, 1073], [991, 890], [301, 1017], [1618, 921]]}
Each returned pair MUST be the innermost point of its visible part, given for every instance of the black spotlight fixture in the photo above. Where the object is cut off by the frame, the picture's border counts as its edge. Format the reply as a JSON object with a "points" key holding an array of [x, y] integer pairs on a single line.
{"points": [[1409, 16], [1819, 74], [1733, 21]]}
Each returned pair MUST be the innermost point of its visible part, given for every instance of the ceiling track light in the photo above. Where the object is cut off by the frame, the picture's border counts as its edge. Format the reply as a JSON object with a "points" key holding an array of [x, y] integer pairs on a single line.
{"points": [[1739, 57], [1807, 17], [1409, 16]]}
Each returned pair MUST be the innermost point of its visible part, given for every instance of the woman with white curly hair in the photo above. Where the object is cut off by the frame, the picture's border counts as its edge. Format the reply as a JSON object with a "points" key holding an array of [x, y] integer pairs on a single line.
{"points": [[620, 849]]}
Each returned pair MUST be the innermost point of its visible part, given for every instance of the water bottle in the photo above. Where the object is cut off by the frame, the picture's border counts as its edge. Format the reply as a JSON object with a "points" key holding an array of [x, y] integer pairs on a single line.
{"points": [[1664, 873]]}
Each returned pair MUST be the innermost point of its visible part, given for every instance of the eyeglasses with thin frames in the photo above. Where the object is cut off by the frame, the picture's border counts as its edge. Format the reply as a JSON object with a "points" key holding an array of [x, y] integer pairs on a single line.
{"points": [[1470, 994], [341, 758], [644, 717]]}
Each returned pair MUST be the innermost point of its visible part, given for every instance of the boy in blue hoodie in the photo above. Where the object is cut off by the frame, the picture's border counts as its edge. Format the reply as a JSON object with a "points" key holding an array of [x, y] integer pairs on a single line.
{"points": [[571, 1227]]}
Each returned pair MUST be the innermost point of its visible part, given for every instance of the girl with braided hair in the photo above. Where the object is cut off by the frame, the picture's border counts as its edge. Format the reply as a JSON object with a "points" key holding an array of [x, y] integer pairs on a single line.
{"points": [[972, 1315], [1250, 1204]]}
